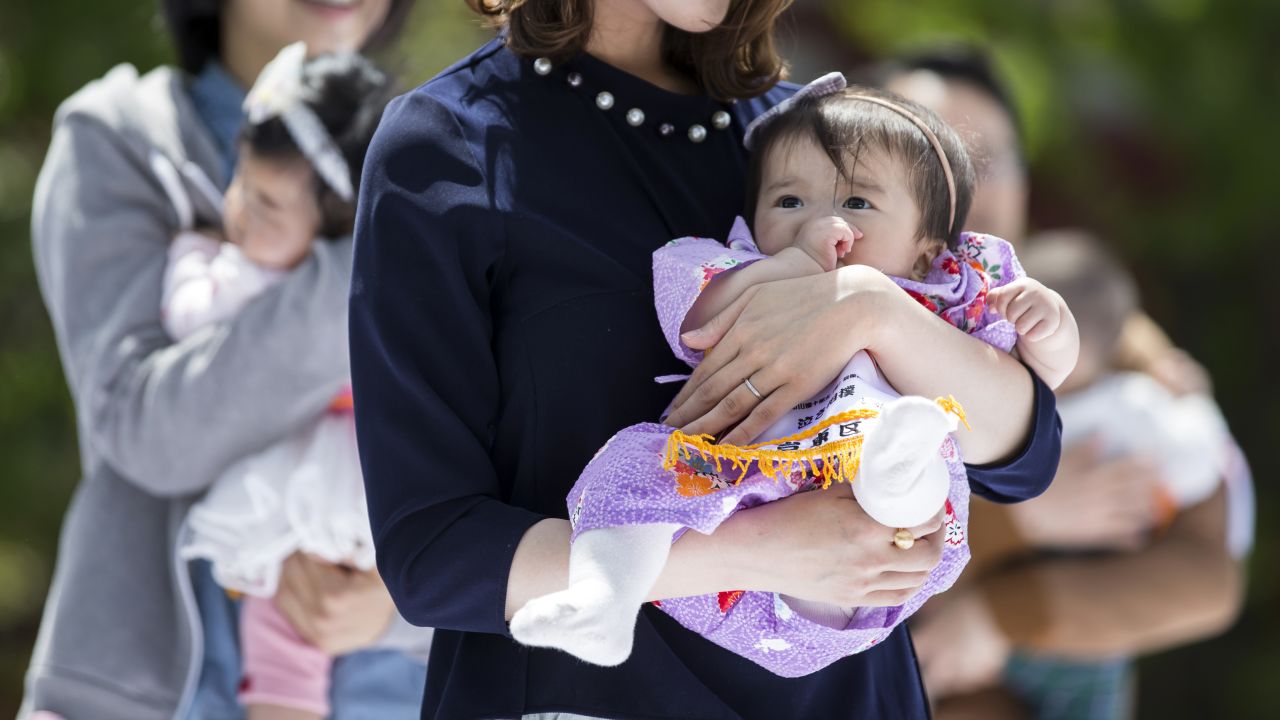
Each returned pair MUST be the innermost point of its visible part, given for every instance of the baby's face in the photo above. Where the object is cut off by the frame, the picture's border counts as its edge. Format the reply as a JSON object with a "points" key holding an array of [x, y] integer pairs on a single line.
{"points": [[271, 211], [801, 186]]}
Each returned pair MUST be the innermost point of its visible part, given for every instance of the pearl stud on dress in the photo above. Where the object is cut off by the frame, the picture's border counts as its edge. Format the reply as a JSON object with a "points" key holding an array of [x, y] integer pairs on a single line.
{"points": [[635, 116]]}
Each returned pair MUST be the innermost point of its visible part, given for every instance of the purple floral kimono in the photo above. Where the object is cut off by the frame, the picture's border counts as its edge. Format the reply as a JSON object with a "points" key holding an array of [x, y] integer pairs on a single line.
{"points": [[644, 475]]}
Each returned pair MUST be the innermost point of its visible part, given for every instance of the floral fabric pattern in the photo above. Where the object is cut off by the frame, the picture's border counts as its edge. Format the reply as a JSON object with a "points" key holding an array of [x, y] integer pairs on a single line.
{"points": [[626, 483]]}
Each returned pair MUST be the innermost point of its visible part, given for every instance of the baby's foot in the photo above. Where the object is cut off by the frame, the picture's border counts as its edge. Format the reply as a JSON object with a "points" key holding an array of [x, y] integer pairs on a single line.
{"points": [[586, 620], [903, 481]]}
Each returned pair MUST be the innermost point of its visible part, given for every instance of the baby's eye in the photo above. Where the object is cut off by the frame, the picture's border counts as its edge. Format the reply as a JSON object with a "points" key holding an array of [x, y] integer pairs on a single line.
{"points": [[789, 201], [857, 203]]}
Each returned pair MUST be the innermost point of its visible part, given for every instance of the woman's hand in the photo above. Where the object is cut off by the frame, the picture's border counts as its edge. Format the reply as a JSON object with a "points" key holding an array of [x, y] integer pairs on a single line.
{"points": [[1144, 347], [820, 546], [1180, 373], [335, 608], [1094, 504], [790, 337], [959, 646]]}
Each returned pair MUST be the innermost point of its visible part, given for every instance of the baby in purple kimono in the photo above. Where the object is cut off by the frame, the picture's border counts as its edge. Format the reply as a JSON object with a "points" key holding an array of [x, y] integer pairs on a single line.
{"points": [[838, 177]]}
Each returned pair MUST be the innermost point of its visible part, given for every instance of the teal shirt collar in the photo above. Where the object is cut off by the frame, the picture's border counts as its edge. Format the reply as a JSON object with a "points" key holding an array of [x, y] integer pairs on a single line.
{"points": [[219, 99]]}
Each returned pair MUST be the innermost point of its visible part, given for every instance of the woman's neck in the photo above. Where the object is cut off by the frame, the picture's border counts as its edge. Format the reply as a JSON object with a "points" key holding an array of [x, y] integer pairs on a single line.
{"points": [[242, 52], [628, 35], [241, 62]]}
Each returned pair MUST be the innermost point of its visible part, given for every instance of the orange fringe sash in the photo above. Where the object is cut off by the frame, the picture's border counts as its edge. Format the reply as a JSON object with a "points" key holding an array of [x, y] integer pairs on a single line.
{"points": [[836, 461]]}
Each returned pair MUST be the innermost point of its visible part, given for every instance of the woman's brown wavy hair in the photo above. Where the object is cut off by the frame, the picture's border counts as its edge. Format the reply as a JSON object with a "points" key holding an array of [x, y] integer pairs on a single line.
{"points": [[736, 60]]}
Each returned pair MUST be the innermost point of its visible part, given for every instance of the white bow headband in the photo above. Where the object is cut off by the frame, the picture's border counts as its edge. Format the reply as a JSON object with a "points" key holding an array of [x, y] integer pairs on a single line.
{"points": [[834, 82], [279, 92]]}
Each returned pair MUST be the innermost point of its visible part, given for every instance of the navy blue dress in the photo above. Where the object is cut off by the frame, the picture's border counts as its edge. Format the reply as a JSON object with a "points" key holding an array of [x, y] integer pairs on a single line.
{"points": [[502, 328]]}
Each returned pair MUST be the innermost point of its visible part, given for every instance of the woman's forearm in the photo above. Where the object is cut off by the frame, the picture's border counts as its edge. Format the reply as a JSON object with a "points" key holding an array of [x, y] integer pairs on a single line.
{"points": [[540, 565], [737, 556], [698, 564], [820, 546], [1183, 586], [921, 354]]}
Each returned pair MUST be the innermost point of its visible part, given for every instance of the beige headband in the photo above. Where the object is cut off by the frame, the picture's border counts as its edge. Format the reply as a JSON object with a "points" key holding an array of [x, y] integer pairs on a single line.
{"points": [[933, 140], [834, 82]]}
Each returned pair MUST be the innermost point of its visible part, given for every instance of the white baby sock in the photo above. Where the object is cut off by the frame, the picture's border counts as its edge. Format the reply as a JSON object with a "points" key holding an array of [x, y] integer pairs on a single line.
{"points": [[903, 481], [611, 570]]}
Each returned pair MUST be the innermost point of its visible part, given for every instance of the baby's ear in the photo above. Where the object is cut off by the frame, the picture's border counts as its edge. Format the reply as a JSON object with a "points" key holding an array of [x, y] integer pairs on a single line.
{"points": [[930, 249]]}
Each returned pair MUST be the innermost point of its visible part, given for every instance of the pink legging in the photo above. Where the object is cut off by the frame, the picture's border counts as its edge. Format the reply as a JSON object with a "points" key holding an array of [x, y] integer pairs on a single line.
{"points": [[279, 667]]}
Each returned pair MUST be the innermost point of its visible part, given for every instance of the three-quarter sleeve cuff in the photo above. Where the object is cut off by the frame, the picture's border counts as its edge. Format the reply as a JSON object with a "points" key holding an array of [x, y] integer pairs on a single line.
{"points": [[447, 566], [1028, 473]]}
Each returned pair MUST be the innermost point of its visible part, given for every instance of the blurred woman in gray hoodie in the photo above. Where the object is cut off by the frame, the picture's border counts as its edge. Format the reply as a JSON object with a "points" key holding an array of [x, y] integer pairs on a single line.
{"points": [[130, 631]]}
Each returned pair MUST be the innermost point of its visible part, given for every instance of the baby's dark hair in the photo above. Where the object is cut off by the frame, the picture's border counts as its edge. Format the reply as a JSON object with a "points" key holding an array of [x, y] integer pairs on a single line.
{"points": [[1099, 290], [844, 126], [347, 92]]}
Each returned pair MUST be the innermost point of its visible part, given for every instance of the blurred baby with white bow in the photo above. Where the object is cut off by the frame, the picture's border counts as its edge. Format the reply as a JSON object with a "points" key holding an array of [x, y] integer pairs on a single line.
{"points": [[308, 124]]}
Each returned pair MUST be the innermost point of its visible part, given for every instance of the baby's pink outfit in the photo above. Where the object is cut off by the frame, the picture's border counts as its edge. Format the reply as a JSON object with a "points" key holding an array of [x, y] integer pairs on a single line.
{"points": [[278, 666], [303, 493]]}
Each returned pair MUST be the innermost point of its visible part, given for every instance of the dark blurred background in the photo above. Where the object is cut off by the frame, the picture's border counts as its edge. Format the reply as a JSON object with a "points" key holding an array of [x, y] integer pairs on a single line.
{"points": [[1151, 122]]}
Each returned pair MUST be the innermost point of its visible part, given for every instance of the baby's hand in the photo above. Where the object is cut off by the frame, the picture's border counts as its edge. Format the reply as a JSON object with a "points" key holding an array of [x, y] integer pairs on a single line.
{"points": [[1035, 311], [1048, 339], [827, 239]]}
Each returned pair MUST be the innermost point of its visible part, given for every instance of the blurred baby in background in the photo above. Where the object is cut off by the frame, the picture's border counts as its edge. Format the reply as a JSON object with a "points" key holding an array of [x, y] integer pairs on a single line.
{"points": [[309, 123]]}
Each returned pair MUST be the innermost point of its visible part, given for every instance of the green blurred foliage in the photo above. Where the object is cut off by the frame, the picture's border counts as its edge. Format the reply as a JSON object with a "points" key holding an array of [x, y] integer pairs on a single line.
{"points": [[1149, 121], [47, 50]]}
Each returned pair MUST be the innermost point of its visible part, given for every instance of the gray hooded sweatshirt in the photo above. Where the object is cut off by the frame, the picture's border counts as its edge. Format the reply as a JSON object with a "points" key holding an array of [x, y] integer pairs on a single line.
{"points": [[158, 421]]}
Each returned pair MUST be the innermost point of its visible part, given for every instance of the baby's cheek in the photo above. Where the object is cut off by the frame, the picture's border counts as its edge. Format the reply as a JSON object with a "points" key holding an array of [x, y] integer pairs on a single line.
{"points": [[772, 237], [296, 250], [233, 221], [258, 251]]}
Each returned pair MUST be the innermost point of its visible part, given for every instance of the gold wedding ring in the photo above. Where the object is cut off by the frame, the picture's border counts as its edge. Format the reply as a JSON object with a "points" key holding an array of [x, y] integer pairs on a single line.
{"points": [[904, 539], [753, 389]]}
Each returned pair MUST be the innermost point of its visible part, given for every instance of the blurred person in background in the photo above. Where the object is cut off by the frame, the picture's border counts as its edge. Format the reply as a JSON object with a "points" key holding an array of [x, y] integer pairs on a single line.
{"points": [[961, 85], [129, 631], [1066, 589]]}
